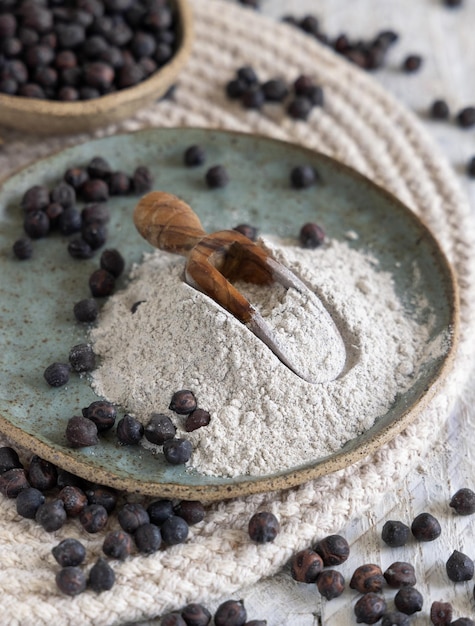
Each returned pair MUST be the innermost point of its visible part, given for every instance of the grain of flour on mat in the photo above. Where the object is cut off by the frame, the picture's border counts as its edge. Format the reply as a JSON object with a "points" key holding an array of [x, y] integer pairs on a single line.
{"points": [[264, 418]]}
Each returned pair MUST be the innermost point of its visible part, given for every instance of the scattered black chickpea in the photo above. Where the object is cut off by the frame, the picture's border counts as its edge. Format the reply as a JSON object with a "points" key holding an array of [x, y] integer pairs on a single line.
{"points": [[217, 177], [463, 621], [51, 515], [9, 459], [439, 110], [247, 230], [459, 567], [263, 527], [333, 550], [195, 614], [465, 118], [101, 283], [142, 179], [71, 580], [57, 374], [177, 451], [112, 261], [94, 234], [96, 212], [471, 167], [119, 184], [104, 496], [41, 473], [197, 419], [117, 544], [159, 511], [463, 501], [93, 518], [305, 566], [408, 600], [94, 190], [303, 176], [230, 613], [370, 608], [311, 236], [13, 481], [412, 63], [192, 511], [129, 431], [86, 310], [69, 221], [101, 576], [275, 90], [81, 432], [330, 584], [28, 502], [194, 156], [148, 538], [36, 224], [131, 516], [299, 108], [82, 358], [74, 500], [35, 198], [69, 552], [400, 574], [76, 176], [183, 402], [367, 578], [253, 97], [174, 530], [395, 533], [425, 527], [102, 413], [23, 248], [253, 4], [99, 167], [441, 613], [159, 429], [78, 248]]}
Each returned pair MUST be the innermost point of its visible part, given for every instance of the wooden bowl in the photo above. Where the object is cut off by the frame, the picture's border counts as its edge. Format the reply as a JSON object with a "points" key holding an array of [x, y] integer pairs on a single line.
{"points": [[52, 117]]}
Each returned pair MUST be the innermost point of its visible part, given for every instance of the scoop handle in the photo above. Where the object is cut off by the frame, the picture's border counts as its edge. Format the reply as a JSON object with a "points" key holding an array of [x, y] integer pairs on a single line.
{"points": [[168, 223], [222, 257]]}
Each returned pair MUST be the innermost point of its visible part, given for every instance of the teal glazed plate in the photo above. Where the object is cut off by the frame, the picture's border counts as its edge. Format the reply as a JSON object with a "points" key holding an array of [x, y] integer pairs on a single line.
{"points": [[37, 325]]}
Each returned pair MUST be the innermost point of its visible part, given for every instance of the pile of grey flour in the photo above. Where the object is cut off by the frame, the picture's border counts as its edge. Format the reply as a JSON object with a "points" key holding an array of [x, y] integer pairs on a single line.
{"points": [[264, 418]]}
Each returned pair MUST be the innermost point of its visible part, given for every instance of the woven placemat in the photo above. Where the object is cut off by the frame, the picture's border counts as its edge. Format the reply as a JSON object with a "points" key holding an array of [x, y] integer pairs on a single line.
{"points": [[362, 126]]}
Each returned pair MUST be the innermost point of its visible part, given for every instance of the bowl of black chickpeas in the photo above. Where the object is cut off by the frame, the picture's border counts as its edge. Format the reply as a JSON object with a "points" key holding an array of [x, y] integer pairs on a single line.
{"points": [[69, 66]]}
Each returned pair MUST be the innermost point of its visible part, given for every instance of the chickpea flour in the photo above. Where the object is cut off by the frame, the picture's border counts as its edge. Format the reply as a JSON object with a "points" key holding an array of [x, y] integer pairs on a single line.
{"points": [[264, 418]]}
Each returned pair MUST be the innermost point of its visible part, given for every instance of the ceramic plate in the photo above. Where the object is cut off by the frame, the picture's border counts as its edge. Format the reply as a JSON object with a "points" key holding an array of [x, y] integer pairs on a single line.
{"points": [[38, 326]]}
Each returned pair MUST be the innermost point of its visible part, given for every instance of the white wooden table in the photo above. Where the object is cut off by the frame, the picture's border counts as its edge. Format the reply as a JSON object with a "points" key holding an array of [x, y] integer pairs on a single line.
{"points": [[444, 37]]}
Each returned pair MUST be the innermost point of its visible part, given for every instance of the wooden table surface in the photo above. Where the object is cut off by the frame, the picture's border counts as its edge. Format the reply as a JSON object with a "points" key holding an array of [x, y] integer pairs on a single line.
{"points": [[444, 37]]}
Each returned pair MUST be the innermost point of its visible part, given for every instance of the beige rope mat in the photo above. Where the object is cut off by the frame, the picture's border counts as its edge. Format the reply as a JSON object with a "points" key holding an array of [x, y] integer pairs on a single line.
{"points": [[360, 125]]}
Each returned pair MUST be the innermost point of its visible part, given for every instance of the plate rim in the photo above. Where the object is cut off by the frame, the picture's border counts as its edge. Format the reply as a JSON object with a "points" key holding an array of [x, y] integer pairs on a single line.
{"points": [[244, 486]]}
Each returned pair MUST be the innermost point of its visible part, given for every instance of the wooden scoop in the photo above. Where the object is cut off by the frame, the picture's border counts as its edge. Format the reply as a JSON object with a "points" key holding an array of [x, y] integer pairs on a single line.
{"points": [[214, 260]]}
